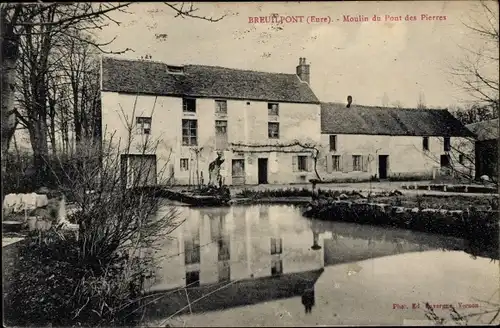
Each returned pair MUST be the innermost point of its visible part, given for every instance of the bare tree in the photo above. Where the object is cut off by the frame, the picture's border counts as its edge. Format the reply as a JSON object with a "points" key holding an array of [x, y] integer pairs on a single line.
{"points": [[473, 113], [48, 22], [45, 21], [477, 71]]}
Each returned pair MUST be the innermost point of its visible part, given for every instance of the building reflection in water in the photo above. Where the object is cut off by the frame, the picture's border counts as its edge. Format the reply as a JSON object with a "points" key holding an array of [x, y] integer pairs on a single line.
{"points": [[267, 252], [237, 243], [276, 253]]}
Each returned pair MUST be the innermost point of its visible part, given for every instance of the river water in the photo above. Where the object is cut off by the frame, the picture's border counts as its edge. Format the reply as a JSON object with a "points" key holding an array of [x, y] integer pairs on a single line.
{"points": [[266, 265]]}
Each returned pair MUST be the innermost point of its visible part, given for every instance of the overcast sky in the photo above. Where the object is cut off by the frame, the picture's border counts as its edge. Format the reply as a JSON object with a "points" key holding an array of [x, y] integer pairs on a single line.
{"points": [[365, 60]]}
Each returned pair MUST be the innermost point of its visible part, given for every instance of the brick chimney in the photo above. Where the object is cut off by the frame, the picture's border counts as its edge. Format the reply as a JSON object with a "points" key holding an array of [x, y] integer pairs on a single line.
{"points": [[303, 70]]}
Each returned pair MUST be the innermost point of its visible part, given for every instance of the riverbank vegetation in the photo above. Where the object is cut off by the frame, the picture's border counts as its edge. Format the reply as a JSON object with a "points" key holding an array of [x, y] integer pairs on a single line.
{"points": [[96, 275], [289, 192]]}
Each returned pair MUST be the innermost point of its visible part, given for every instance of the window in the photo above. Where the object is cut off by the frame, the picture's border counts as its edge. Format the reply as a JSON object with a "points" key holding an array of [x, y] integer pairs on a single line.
{"points": [[175, 69], [221, 107], [143, 125], [273, 109], [336, 163], [184, 164], [425, 143], [192, 250], [276, 246], [273, 130], [333, 143], [220, 135], [189, 105], [193, 279], [189, 132], [461, 158], [276, 267], [356, 162], [302, 163], [447, 144]]}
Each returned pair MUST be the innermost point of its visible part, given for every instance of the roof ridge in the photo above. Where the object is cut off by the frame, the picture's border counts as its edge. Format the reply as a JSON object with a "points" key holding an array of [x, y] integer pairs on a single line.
{"points": [[382, 107]]}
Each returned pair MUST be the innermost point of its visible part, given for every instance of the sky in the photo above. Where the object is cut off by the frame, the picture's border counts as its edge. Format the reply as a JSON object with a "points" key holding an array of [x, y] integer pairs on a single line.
{"points": [[401, 59]]}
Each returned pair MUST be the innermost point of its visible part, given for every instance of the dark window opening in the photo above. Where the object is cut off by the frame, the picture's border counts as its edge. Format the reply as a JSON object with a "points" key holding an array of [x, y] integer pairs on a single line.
{"points": [[425, 143], [189, 105], [302, 163], [333, 143], [447, 144]]}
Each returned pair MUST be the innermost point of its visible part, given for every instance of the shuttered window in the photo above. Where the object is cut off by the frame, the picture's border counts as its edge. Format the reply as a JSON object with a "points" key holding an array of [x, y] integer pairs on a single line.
{"points": [[357, 163], [365, 163], [346, 163]]}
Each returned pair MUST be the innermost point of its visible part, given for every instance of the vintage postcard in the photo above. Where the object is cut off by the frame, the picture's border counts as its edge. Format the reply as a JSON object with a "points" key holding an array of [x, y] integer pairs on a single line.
{"points": [[250, 163]]}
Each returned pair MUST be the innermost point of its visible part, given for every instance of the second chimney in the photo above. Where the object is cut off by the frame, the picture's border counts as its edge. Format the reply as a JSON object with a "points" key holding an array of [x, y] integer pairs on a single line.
{"points": [[349, 101], [303, 70]]}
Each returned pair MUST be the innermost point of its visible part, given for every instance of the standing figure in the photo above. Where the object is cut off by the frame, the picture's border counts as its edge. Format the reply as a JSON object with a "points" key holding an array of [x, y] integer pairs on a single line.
{"points": [[308, 299], [214, 170]]}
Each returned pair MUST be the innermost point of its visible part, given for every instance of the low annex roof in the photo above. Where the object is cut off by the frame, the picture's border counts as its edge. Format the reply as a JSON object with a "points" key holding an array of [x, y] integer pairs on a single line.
{"points": [[336, 118]]}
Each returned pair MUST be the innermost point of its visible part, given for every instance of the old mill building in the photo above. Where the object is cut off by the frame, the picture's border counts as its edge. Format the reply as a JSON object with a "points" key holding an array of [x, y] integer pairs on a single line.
{"points": [[268, 127]]}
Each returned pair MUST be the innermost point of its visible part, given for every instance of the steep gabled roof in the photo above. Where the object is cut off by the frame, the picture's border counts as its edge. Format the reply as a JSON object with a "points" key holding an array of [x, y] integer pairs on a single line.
{"points": [[337, 119], [485, 130], [148, 77]]}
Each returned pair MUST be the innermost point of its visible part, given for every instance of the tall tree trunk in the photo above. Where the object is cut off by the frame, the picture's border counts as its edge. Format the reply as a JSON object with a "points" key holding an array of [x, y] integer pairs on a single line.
{"points": [[9, 121], [9, 44], [52, 115], [38, 138]]}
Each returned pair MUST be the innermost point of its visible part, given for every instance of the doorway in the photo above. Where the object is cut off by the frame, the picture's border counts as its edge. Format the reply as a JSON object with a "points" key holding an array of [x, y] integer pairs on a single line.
{"points": [[383, 163], [138, 170], [262, 170], [238, 172]]}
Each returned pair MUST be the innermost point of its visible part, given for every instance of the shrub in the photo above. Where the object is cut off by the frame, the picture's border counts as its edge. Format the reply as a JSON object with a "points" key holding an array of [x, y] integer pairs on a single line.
{"points": [[95, 279]]}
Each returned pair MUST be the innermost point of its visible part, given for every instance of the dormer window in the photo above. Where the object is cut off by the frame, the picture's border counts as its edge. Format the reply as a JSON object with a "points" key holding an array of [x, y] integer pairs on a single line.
{"points": [[175, 69]]}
